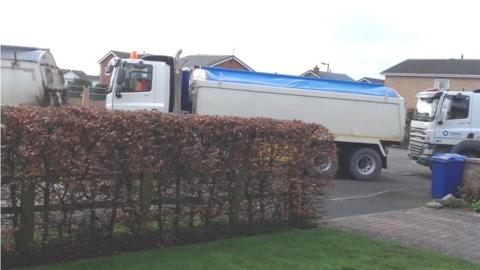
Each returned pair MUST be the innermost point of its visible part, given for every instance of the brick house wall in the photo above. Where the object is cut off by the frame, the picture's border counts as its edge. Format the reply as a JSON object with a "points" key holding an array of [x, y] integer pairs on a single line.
{"points": [[233, 64], [408, 87]]}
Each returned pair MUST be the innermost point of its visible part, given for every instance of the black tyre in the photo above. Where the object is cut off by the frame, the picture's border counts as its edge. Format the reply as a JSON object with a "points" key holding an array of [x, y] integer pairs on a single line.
{"points": [[364, 164], [468, 148], [329, 168]]}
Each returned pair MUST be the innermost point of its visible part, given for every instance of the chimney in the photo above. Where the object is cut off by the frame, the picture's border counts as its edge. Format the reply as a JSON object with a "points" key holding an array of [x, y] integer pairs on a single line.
{"points": [[316, 70]]}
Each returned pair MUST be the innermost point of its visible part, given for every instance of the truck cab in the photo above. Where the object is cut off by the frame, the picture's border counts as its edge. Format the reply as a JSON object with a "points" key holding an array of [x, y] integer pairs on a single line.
{"points": [[445, 121], [141, 84]]}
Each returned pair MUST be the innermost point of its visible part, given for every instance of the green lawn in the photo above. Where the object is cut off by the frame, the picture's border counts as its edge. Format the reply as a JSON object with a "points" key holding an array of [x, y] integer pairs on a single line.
{"points": [[299, 249]]}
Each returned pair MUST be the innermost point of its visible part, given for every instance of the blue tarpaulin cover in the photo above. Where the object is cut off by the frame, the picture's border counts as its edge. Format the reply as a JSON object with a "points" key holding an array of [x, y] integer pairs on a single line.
{"points": [[289, 81]]}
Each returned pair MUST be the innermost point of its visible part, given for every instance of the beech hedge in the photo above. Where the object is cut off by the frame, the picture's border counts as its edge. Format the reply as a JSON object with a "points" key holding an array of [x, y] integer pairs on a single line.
{"points": [[82, 182]]}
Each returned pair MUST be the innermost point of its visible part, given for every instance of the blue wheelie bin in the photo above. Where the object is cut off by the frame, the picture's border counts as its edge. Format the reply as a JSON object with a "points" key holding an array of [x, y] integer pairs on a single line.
{"points": [[447, 172]]}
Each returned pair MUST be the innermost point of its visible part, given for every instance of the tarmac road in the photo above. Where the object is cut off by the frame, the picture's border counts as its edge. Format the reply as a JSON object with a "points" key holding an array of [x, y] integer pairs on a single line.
{"points": [[403, 185]]}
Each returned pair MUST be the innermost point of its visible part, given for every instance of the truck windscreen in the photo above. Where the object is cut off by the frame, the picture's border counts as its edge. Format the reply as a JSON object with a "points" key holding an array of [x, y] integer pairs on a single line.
{"points": [[426, 108]]}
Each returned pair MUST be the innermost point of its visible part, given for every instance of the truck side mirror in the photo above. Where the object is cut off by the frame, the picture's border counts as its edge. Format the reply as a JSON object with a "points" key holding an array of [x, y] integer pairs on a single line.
{"points": [[114, 62], [118, 92], [121, 75], [443, 116], [447, 103]]}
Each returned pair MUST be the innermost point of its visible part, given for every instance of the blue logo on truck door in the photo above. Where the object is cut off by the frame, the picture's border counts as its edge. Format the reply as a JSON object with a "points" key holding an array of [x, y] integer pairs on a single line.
{"points": [[445, 133]]}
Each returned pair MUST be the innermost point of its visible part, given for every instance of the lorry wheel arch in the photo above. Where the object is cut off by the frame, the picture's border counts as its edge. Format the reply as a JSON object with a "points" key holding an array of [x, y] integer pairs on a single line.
{"points": [[469, 148], [364, 163]]}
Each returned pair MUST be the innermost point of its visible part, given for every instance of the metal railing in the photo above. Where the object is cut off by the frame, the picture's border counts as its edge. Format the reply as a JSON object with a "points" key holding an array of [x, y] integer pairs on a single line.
{"points": [[85, 94]]}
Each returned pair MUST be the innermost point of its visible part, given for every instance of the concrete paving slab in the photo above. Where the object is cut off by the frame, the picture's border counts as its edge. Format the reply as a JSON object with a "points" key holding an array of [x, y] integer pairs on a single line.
{"points": [[451, 232]]}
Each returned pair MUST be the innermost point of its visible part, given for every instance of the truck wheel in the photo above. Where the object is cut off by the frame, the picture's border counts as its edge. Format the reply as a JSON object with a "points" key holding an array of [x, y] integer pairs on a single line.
{"points": [[329, 168], [365, 164]]}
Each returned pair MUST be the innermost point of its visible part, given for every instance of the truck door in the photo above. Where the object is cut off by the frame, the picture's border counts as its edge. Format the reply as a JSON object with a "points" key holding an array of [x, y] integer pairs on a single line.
{"points": [[455, 123], [135, 90], [476, 115]]}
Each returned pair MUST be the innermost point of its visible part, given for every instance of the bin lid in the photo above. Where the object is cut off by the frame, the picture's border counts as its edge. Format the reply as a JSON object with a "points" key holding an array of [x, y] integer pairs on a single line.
{"points": [[448, 158]]}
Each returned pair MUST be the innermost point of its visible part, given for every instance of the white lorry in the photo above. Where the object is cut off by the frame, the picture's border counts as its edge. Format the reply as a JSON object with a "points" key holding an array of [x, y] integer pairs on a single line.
{"points": [[445, 121], [365, 118], [30, 76]]}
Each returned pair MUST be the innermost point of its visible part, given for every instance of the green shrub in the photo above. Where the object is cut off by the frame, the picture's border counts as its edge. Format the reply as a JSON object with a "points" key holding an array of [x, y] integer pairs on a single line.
{"points": [[162, 178], [476, 206]]}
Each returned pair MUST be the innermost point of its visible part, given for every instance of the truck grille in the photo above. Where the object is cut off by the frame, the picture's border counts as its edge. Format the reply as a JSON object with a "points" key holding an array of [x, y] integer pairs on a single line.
{"points": [[417, 139]]}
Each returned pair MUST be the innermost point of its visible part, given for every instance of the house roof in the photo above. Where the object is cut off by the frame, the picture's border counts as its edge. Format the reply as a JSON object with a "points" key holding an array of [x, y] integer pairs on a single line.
{"points": [[93, 78], [371, 80], [81, 74], [191, 61], [202, 60], [428, 67], [118, 54], [121, 54], [327, 75]]}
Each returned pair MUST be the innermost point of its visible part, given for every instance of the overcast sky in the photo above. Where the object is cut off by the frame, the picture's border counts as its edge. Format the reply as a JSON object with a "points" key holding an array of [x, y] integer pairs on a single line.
{"points": [[358, 38]]}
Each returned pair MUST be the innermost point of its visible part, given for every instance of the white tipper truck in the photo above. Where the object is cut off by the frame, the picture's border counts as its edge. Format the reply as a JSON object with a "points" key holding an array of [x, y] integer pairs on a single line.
{"points": [[445, 121], [365, 118]]}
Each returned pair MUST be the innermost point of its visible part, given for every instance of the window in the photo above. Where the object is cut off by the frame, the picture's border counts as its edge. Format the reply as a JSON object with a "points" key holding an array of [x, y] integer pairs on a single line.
{"points": [[138, 78], [442, 84], [459, 107]]}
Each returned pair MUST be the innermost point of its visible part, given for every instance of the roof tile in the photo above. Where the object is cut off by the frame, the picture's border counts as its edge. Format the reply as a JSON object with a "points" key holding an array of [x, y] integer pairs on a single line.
{"points": [[437, 66]]}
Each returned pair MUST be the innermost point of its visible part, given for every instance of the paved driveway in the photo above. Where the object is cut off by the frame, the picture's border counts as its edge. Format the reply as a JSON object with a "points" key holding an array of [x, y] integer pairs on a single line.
{"points": [[390, 208], [403, 185], [451, 232]]}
